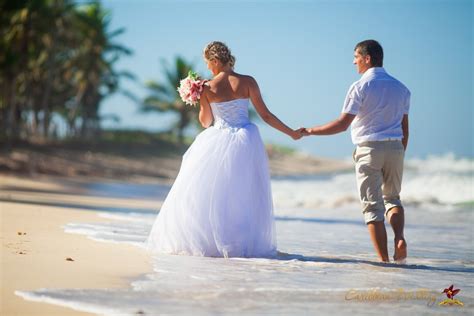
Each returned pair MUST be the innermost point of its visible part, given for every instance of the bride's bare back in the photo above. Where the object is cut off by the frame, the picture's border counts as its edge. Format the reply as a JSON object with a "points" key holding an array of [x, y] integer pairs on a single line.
{"points": [[228, 86]]}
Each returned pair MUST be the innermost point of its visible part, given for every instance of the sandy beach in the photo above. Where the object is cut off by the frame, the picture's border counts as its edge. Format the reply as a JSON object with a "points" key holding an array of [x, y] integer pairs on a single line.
{"points": [[136, 163], [38, 206], [35, 248], [41, 189]]}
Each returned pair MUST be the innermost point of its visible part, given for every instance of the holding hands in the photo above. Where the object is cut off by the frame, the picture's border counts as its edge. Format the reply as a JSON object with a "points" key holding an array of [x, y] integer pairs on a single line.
{"points": [[300, 132], [304, 131], [295, 134]]}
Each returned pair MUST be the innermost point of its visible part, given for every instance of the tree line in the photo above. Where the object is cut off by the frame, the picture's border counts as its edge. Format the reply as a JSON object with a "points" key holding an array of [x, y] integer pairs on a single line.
{"points": [[58, 62], [56, 58]]}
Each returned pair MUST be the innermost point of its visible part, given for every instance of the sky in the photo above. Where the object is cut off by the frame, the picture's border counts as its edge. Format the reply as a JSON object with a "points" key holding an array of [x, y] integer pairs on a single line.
{"points": [[301, 53]]}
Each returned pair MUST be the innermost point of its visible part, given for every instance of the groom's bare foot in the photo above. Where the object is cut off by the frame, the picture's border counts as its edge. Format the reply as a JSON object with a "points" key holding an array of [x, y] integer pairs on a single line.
{"points": [[400, 250]]}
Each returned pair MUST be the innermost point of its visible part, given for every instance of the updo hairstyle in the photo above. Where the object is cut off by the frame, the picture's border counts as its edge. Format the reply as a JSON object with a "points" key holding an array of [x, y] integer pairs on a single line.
{"points": [[219, 51]]}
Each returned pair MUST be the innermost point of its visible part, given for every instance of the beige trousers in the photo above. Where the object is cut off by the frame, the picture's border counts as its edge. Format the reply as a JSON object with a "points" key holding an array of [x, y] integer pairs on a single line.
{"points": [[379, 171]]}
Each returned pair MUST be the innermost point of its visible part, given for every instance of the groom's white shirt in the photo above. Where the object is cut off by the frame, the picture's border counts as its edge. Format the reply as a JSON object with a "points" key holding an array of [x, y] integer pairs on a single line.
{"points": [[379, 102]]}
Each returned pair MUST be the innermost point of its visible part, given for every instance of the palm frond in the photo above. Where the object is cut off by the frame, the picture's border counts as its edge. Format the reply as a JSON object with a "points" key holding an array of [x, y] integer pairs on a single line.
{"points": [[127, 74], [155, 104], [115, 48], [157, 87], [130, 95], [116, 32]]}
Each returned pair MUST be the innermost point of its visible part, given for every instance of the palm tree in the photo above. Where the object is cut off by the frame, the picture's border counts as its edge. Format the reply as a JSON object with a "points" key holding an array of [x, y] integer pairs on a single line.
{"points": [[164, 97], [55, 57], [14, 26], [96, 77]]}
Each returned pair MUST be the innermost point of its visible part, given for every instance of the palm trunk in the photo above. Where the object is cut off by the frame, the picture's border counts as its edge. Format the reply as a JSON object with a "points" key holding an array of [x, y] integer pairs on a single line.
{"points": [[12, 129], [5, 119], [45, 105], [49, 85]]}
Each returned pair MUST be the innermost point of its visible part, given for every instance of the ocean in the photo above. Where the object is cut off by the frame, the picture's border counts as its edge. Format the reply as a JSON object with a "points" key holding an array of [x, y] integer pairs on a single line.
{"points": [[326, 263]]}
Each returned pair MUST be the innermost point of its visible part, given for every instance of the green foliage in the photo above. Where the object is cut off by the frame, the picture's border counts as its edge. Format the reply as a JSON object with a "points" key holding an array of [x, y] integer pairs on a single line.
{"points": [[467, 204], [138, 136], [132, 143], [55, 57], [164, 96], [193, 75]]}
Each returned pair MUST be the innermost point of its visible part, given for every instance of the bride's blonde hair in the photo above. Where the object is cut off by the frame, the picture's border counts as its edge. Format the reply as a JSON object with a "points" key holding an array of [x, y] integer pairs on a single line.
{"points": [[219, 51]]}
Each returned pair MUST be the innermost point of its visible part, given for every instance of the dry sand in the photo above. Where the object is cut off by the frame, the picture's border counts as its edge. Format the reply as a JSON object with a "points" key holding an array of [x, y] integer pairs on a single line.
{"points": [[37, 258]]}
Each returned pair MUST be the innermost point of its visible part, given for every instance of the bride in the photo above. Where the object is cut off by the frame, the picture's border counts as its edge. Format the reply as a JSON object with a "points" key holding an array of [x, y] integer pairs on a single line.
{"points": [[221, 204]]}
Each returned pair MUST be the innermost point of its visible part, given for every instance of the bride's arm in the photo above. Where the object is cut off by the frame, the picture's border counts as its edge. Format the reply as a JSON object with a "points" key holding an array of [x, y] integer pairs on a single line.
{"points": [[205, 112], [265, 114]]}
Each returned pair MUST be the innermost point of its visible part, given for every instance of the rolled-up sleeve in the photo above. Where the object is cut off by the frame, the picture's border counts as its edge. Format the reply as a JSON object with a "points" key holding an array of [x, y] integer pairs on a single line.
{"points": [[353, 100]]}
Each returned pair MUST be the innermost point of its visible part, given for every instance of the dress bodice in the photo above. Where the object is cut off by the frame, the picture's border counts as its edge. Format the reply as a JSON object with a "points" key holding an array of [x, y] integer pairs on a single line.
{"points": [[232, 114]]}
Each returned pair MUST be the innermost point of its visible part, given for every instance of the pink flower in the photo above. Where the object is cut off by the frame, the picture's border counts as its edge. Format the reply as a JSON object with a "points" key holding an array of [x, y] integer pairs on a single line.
{"points": [[190, 89]]}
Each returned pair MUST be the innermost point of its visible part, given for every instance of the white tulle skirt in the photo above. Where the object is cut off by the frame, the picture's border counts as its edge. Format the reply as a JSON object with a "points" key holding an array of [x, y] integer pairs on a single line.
{"points": [[220, 204]]}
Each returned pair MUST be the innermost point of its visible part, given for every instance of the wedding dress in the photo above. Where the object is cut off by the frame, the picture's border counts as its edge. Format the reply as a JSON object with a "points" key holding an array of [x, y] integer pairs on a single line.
{"points": [[220, 204]]}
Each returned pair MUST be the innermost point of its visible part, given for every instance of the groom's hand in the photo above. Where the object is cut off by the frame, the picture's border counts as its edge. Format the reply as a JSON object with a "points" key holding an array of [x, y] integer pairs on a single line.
{"points": [[303, 131]]}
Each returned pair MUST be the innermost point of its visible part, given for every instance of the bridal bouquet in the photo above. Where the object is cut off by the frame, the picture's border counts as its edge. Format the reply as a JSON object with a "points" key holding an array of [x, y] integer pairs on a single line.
{"points": [[190, 88]]}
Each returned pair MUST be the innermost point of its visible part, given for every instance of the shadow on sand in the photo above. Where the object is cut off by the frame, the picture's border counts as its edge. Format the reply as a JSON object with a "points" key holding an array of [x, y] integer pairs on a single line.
{"points": [[84, 207]]}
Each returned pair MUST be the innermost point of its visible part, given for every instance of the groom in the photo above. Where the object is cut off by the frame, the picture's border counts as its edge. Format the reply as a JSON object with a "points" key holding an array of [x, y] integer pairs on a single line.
{"points": [[377, 107]]}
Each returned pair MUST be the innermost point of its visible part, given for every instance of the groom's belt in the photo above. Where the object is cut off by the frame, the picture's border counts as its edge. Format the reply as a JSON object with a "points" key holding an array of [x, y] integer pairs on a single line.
{"points": [[389, 139]]}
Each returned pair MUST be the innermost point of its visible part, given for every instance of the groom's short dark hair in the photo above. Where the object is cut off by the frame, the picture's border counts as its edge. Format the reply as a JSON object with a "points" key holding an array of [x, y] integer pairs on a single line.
{"points": [[373, 49]]}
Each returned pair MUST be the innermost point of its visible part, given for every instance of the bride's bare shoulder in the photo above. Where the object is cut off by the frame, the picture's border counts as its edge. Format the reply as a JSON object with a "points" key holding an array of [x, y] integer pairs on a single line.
{"points": [[246, 79]]}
